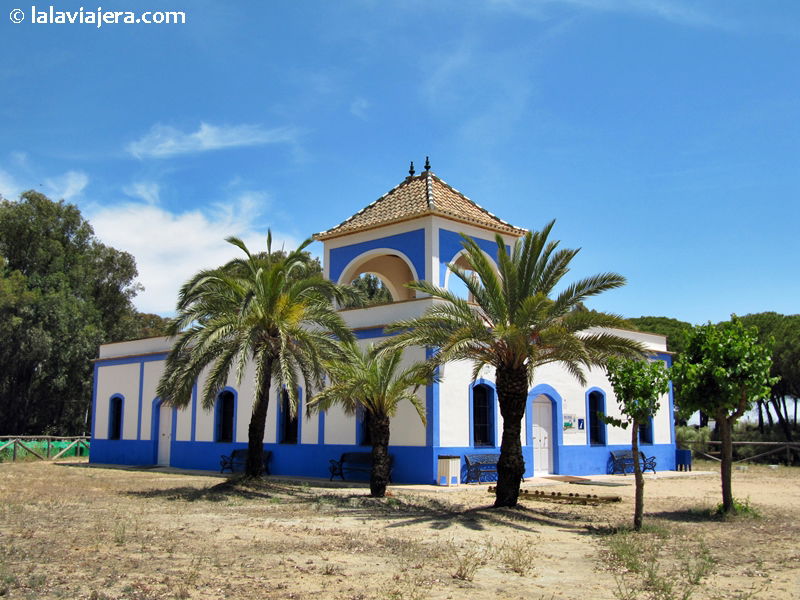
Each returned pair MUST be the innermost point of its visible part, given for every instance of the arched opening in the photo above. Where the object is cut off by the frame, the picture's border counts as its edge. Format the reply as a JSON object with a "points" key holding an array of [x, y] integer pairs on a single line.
{"points": [[483, 416], [225, 411], [596, 409], [646, 432], [288, 420], [372, 288], [115, 418], [387, 270], [455, 284]]}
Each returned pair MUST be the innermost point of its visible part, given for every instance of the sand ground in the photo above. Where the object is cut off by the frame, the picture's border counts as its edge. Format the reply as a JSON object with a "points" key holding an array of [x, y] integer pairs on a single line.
{"points": [[72, 531]]}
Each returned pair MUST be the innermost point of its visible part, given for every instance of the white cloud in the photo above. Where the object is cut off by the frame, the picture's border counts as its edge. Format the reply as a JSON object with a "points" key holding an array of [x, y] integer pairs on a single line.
{"points": [[144, 190], [66, 186], [163, 141], [171, 247], [10, 188], [359, 107]]}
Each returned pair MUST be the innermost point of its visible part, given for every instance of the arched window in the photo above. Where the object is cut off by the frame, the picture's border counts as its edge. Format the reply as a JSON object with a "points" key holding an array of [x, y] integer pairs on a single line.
{"points": [[483, 416], [646, 432], [288, 423], [364, 433], [597, 428], [115, 418], [225, 410]]}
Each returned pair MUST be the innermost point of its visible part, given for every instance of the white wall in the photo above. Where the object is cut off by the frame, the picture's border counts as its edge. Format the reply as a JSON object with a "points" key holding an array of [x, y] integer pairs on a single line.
{"points": [[152, 373], [122, 380]]}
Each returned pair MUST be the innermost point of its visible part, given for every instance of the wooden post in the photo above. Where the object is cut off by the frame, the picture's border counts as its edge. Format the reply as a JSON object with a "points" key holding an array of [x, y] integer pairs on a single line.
{"points": [[14, 452]]}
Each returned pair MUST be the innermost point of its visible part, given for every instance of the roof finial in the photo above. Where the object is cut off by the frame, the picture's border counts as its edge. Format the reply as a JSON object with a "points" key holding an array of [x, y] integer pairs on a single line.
{"points": [[427, 164], [411, 169]]}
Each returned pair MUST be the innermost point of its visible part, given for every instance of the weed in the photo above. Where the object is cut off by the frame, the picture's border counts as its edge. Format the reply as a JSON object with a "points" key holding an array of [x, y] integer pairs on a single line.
{"points": [[409, 588], [332, 570], [470, 560], [646, 573], [740, 508], [120, 529], [519, 556], [36, 581]]}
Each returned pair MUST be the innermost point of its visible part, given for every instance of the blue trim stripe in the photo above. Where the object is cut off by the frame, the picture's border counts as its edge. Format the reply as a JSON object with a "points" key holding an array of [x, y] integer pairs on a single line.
{"points": [[141, 394], [127, 360], [589, 416], [193, 413]]}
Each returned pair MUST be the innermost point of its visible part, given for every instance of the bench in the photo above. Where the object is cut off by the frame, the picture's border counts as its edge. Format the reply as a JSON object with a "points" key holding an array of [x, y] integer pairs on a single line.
{"points": [[480, 464], [238, 460], [622, 462], [355, 462]]}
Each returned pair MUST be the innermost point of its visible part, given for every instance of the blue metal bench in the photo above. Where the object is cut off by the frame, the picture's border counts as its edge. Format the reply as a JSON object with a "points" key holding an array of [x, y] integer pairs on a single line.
{"points": [[622, 462], [237, 461], [480, 465], [355, 462]]}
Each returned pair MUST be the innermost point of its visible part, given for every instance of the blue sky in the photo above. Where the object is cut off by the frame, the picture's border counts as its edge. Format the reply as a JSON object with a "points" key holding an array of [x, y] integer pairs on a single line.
{"points": [[662, 135]]}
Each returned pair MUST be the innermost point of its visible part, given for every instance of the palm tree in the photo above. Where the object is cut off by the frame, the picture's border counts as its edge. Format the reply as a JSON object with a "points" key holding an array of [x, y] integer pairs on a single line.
{"points": [[269, 309], [515, 326], [374, 383]]}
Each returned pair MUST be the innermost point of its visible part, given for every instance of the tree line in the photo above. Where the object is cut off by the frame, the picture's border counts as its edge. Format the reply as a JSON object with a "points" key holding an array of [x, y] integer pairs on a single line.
{"points": [[62, 294], [780, 334]]}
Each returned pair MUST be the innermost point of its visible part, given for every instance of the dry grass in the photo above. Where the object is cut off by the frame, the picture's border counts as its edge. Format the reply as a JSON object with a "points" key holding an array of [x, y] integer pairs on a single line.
{"points": [[76, 532]]}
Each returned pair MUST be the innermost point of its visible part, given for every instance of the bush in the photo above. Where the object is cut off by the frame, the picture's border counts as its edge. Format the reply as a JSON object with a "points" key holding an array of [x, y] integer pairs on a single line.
{"points": [[693, 438]]}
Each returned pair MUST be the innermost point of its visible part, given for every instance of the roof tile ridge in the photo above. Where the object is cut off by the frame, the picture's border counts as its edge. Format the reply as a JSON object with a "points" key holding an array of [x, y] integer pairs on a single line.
{"points": [[406, 181], [429, 190], [478, 206]]}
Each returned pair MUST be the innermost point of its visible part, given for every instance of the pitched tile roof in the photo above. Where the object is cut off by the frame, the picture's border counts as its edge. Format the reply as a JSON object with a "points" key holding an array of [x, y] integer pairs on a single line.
{"points": [[424, 194]]}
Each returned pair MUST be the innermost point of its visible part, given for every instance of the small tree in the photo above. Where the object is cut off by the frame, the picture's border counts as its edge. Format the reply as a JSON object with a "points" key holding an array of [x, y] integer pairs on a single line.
{"points": [[374, 383], [722, 371], [638, 385]]}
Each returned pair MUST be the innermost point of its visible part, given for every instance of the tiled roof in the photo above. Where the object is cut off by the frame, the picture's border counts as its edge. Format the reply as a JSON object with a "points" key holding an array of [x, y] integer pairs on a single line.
{"points": [[424, 194]]}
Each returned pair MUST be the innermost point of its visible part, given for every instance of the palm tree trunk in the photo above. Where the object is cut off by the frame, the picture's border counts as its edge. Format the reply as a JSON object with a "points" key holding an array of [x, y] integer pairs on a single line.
{"points": [[255, 431], [726, 435], [512, 393], [638, 511], [381, 466]]}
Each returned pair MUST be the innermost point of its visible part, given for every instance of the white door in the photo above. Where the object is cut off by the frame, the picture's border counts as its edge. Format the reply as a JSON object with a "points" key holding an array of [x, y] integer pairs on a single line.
{"points": [[164, 434], [542, 434]]}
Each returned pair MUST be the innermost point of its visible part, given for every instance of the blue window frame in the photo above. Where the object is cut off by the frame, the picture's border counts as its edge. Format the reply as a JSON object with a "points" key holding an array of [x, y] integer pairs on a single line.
{"points": [[288, 422], [225, 416], [364, 434], [646, 432], [597, 427], [483, 428], [115, 418]]}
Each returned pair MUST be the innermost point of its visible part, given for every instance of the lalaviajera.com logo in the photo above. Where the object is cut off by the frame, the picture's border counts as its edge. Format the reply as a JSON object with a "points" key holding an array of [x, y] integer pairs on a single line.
{"points": [[98, 17]]}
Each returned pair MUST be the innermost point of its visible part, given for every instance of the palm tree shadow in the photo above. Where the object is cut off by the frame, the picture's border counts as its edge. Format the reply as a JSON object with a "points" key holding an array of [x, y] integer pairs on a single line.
{"points": [[400, 510], [440, 515], [234, 488]]}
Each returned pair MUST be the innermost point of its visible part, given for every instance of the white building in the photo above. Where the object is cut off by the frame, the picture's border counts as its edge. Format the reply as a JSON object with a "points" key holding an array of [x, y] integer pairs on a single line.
{"points": [[411, 233]]}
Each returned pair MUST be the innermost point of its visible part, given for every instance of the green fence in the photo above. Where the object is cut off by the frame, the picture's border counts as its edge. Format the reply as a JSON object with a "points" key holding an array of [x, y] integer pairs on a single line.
{"points": [[13, 448]]}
